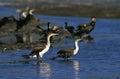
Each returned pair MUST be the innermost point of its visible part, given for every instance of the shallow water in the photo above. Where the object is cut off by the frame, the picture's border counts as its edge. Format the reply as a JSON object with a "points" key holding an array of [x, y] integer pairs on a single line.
{"points": [[98, 59]]}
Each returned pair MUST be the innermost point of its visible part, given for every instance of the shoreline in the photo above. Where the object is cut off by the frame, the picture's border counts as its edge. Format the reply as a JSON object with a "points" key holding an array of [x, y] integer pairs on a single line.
{"points": [[79, 11]]}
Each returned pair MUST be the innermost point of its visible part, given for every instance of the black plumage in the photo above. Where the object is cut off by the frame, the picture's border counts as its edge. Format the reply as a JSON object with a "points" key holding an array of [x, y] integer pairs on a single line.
{"points": [[68, 52], [34, 53], [69, 28], [86, 28], [38, 52]]}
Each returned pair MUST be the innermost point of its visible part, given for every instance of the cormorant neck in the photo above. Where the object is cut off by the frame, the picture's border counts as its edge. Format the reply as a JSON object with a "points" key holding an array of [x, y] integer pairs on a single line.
{"points": [[66, 25], [48, 26], [92, 23], [76, 48], [76, 44], [48, 41]]}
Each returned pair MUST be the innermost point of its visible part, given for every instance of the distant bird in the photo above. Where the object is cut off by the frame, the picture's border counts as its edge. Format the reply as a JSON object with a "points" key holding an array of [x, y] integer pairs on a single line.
{"points": [[26, 26], [68, 52], [30, 15], [86, 28], [69, 28], [64, 33], [8, 23], [47, 31], [38, 51], [55, 29]]}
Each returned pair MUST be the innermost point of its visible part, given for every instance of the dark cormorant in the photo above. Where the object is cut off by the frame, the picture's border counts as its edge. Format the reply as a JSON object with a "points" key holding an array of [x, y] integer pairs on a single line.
{"points": [[69, 28], [38, 51], [68, 52], [86, 28]]}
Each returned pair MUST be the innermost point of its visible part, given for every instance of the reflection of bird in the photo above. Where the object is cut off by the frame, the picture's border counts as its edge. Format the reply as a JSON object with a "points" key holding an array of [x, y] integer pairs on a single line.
{"points": [[67, 52], [86, 28], [39, 52], [45, 70]]}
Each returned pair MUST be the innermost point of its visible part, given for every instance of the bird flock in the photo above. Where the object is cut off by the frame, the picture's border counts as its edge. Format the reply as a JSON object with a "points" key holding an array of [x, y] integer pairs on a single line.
{"points": [[28, 23]]}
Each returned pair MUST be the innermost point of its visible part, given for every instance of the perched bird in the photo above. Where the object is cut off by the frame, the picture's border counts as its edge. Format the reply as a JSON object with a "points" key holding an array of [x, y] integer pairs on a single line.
{"points": [[38, 51], [68, 52], [69, 28], [64, 33], [86, 28], [26, 26]]}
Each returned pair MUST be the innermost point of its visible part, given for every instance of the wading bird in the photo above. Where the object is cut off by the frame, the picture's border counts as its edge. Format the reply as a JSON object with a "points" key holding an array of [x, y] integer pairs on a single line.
{"points": [[38, 51], [68, 52]]}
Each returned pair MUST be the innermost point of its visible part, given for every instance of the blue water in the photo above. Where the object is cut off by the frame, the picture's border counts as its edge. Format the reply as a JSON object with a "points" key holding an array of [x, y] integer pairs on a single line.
{"points": [[99, 59]]}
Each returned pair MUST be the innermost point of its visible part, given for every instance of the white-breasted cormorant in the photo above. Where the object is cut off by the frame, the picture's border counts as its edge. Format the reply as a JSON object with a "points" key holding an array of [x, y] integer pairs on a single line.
{"points": [[38, 51], [68, 52]]}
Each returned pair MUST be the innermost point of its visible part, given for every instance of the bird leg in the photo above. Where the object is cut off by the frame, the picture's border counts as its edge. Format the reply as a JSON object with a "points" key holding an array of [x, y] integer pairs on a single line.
{"points": [[39, 59]]}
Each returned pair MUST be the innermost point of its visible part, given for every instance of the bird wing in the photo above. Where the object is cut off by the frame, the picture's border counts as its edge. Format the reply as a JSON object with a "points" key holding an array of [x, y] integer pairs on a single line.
{"points": [[35, 51], [66, 51], [64, 33]]}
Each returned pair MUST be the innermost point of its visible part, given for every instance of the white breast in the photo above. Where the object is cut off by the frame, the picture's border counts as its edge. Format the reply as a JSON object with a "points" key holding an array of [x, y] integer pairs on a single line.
{"points": [[44, 51], [75, 51]]}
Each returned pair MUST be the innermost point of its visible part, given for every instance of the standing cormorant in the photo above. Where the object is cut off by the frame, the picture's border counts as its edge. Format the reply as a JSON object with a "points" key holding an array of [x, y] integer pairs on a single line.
{"points": [[38, 51], [86, 28], [68, 52]]}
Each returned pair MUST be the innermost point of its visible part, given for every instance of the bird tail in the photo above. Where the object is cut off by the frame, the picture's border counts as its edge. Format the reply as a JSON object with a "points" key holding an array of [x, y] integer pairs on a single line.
{"points": [[26, 56], [53, 58]]}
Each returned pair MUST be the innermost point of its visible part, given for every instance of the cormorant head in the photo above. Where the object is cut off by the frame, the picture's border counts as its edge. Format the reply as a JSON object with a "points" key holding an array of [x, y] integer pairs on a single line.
{"points": [[84, 25], [93, 19], [24, 14], [48, 23], [66, 23], [30, 11], [55, 28]]}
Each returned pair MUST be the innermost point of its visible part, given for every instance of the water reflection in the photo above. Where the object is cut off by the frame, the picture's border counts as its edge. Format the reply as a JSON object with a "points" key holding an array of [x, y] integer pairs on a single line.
{"points": [[76, 67], [44, 70]]}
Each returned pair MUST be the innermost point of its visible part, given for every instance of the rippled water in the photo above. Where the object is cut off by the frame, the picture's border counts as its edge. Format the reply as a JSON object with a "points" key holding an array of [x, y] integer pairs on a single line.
{"points": [[99, 59]]}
